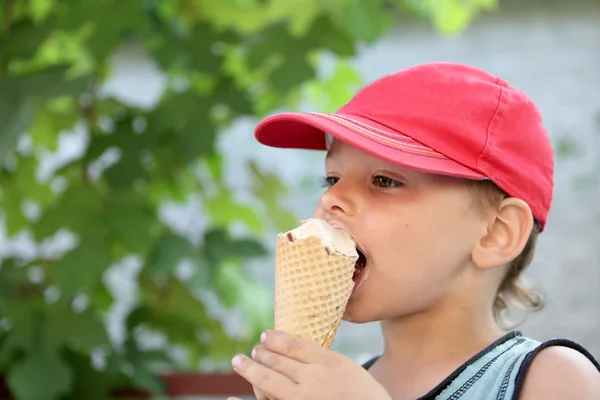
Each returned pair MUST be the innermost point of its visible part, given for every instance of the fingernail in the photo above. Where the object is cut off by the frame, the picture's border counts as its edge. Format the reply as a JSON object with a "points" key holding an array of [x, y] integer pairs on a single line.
{"points": [[253, 354], [263, 336], [237, 360]]}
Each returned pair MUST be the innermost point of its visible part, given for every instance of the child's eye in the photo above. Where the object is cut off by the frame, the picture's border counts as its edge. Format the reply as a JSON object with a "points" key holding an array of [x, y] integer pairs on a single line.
{"points": [[384, 182], [329, 181]]}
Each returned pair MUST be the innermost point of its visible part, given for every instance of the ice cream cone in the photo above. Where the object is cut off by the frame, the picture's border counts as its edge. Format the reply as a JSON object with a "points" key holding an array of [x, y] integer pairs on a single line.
{"points": [[313, 280]]}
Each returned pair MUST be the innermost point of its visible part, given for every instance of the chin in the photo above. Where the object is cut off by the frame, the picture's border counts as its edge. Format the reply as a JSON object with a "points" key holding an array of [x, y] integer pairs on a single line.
{"points": [[358, 319], [359, 313]]}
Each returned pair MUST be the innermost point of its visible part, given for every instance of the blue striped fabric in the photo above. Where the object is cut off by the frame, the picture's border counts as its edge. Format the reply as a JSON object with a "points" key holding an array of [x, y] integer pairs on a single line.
{"points": [[493, 375], [497, 372]]}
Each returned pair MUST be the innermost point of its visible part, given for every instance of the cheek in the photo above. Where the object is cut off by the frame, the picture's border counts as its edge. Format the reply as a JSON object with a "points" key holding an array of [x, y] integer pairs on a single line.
{"points": [[444, 235], [410, 244], [318, 212], [413, 258], [406, 260]]}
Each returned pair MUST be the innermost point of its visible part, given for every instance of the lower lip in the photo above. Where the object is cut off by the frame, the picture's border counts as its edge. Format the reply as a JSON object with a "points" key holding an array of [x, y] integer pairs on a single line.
{"points": [[359, 278]]}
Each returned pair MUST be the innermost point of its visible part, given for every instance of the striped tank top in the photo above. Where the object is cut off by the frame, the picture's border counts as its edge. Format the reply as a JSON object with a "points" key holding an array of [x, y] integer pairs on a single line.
{"points": [[497, 372]]}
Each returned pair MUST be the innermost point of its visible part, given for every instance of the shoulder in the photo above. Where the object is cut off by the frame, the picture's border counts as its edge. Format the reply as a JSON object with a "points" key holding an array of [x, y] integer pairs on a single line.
{"points": [[561, 372]]}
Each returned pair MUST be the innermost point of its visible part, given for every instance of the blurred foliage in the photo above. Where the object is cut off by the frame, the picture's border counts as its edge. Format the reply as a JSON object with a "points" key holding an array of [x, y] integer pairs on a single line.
{"points": [[223, 59]]}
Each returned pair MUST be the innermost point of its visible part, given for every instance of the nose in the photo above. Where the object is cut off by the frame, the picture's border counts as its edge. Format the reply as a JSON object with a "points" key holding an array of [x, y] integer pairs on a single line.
{"points": [[337, 201]]}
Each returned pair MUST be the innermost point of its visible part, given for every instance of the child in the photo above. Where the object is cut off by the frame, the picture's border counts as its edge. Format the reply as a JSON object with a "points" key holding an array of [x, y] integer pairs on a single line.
{"points": [[444, 175]]}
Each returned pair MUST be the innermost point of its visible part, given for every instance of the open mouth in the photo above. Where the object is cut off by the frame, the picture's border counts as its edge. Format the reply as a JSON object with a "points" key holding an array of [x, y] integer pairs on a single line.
{"points": [[360, 265]]}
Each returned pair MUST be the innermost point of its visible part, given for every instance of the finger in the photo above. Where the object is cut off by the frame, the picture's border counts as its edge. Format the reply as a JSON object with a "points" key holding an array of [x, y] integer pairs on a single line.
{"points": [[287, 345], [272, 383], [277, 362], [260, 395]]}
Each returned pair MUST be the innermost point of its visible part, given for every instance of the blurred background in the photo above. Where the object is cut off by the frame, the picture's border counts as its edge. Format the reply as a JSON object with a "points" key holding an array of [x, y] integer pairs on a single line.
{"points": [[138, 214]]}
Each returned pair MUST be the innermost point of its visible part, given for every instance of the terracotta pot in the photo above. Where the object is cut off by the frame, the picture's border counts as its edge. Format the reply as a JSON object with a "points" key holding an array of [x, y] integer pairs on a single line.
{"points": [[182, 384]]}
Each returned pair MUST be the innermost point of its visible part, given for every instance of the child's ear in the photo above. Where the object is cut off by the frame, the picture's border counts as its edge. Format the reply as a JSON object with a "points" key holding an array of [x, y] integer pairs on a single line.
{"points": [[506, 235]]}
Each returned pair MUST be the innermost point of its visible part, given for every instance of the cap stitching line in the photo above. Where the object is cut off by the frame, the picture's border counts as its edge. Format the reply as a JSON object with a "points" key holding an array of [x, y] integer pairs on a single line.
{"points": [[383, 140], [365, 133], [392, 147], [487, 131], [366, 127], [388, 143], [405, 139], [422, 154], [344, 116]]}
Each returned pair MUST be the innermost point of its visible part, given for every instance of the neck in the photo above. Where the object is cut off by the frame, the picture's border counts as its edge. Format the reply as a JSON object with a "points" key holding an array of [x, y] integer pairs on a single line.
{"points": [[443, 335], [453, 329], [424, 349]]}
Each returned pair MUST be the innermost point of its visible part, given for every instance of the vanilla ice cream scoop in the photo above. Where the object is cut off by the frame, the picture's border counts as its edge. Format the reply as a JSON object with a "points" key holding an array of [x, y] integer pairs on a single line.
{"points": [[336, 240]]}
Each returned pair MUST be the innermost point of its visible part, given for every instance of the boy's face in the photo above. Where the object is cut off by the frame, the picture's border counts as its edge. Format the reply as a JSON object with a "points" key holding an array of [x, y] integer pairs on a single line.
{"points": [[416, 231]]}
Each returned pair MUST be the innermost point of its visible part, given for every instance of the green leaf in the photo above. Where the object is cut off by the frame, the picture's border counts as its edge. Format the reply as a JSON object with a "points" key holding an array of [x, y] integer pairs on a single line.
{"points": [[87, 382], [49, 83], [40, 9], [15, 220], [256, 301], [214, 164], [101, 297], [182, 130], [220, 247], [191, 50], [274, 41], [80, 330], [81, 268], [143, 376], [291, 66], [169, 250], [331, 93], [78, 208], [252, 16], [449, 16], [126, 17], [50, 373], [223, 209], [172, 308], [132, 221], [364, 20], [269, 189], [24, 39], [179, 188], [16, 114], [48, 124], [294, 70], [227, 94], [123, 174], [174, 301], [22, 336], [325, 34], [227, 283], [142, 313], [18, 185], [13, 276]]}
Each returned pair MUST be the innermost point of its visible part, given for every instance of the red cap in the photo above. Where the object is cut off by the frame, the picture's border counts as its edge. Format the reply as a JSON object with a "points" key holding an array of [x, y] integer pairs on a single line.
{"points": [[441, 118]]}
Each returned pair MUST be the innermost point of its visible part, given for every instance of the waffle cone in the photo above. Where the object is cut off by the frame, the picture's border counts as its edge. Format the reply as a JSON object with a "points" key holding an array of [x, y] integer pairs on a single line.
{"points": [[312, 287]]}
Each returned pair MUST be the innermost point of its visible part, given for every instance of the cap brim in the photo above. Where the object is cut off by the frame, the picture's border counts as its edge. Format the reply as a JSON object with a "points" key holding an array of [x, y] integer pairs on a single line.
{"points": [[307, 131]]}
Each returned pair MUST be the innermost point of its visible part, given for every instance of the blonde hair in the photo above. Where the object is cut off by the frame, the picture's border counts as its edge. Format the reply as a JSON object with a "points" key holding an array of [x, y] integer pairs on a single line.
{"points": [[514, 291]]}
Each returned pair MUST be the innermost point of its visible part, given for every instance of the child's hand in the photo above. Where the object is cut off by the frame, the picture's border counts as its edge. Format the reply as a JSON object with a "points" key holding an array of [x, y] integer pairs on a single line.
{"points": [[287, 368]]}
